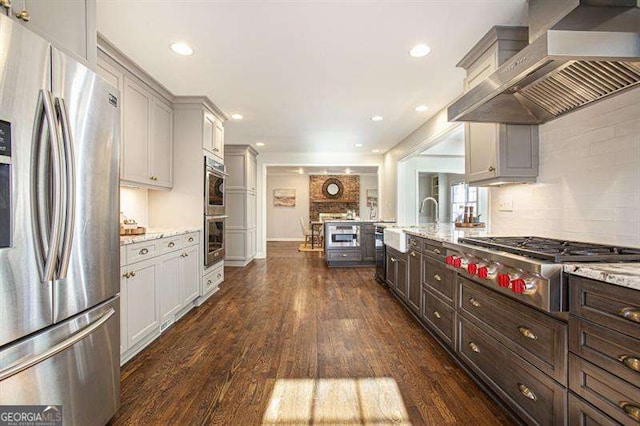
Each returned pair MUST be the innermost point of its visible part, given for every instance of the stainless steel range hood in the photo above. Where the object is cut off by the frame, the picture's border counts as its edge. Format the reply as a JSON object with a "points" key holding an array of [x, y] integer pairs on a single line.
{"points": [[584, 56]]}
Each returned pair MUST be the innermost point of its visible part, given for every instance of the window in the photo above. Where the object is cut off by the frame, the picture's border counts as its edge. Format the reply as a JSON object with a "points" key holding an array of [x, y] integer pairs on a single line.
{"points": [[463, 195]]}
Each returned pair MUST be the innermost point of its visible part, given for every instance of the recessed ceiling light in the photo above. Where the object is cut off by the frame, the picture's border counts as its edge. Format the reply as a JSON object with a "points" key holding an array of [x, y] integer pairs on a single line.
{"points": [[348, 171], [420, 50], [237, 116], [376, 118], [182, 49], [375, 151], [325, 172], [259, 143], [422, 108], [358, 145], [301, 171]]}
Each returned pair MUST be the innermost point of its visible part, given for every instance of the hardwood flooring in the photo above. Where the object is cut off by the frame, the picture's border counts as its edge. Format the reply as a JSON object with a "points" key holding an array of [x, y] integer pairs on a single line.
{"points": [[289, 341]]}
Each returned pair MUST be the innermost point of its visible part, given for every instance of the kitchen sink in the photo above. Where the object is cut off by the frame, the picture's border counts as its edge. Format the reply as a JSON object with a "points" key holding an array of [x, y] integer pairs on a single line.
{"points": [[396, 239]]}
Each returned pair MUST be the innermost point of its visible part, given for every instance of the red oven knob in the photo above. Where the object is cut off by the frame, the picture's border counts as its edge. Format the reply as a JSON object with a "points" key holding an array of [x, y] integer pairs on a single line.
{"points": [[472, 268], [518, 286], [449, 260], [457, 262], [483, 272], [504, 280]]}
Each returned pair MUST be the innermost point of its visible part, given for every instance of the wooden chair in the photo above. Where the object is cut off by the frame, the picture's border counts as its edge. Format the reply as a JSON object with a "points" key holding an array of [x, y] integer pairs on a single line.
{"points": [[306, 231]]}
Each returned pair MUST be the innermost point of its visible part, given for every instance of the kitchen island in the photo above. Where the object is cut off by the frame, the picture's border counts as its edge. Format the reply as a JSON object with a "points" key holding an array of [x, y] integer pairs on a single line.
{"points": [[351, 242]]}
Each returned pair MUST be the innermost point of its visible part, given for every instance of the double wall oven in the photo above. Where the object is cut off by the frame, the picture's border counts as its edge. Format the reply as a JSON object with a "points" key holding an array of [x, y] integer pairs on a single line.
{"points": [[214, 211]]}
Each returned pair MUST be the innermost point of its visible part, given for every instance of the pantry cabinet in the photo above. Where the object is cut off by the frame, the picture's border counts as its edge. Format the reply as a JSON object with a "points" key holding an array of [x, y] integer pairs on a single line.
{"points": [[497, 153], [146, 137]]}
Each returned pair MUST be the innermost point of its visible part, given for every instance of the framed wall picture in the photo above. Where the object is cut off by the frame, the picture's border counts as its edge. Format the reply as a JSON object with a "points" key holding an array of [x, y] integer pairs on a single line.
{"points": [[372, 197], [284, 197]]}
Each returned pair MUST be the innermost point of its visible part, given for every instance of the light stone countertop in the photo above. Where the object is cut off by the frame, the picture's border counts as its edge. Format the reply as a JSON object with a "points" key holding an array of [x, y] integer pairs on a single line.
{"points": [[624, 274], [445, 232], [155, 234]]}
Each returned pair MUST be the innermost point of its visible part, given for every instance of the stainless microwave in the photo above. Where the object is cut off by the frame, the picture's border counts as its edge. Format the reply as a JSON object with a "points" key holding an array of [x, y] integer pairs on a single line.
{"points": [[214, 197]]}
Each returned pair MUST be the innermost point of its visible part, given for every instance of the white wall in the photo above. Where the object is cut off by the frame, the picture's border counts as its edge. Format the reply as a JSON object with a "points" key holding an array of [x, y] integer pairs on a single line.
{"points": [[283, 223], [589, 183], [134, 203], [367, 182]]}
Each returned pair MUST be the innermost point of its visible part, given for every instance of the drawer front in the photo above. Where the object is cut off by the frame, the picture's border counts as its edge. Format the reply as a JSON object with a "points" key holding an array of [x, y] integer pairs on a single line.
{"points": [[536, 337], [344, 256], [536, 398], [142, 251], [439, 279], [435, 249], [213, 279], [581, 413], [414, 243], [190, 239], [439, 316], [609, 305], [167, 245], [615, 352], [618, 399]]}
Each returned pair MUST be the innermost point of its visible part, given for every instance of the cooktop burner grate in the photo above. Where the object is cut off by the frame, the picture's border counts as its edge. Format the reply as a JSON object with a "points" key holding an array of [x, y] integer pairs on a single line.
{"points": [[556, 251]]}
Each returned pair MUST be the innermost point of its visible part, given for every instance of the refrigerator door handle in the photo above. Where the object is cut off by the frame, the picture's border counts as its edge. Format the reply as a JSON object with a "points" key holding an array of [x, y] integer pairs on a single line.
{"points": [[47, 234], [32, 360], [70, 196]]}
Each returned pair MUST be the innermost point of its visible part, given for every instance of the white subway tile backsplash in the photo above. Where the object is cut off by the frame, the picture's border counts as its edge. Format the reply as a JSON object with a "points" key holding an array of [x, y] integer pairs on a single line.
{"points": [[589, 181]]}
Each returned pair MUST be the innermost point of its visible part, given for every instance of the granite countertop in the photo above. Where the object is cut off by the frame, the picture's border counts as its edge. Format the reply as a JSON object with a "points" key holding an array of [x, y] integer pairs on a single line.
{"points": [[358, 221], [625, 274], [445, 232], [154, 234]]}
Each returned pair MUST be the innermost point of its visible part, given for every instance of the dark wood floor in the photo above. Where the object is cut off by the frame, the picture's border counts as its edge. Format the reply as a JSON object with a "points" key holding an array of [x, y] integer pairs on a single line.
{"points": [[290, 317]]}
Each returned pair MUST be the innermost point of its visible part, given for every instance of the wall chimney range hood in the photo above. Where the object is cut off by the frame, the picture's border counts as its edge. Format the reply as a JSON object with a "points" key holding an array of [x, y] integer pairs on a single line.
{"points": [[579, 52]]}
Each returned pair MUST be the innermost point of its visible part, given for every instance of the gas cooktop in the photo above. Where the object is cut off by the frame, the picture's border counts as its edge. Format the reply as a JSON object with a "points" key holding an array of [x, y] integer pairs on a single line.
{"points": [[556, 251]]}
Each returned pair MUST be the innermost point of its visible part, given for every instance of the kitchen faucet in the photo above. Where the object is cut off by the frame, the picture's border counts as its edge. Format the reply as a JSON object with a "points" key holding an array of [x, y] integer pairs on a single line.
{"points": [[434, 202]]}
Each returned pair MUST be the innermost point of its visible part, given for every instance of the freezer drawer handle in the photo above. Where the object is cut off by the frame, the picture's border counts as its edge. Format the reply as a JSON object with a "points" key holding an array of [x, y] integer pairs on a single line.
{"points": [[72, 340]]}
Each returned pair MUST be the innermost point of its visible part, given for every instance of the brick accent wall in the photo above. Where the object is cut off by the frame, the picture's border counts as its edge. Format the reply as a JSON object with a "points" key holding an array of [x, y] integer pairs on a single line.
{"points": [[318, 203]]}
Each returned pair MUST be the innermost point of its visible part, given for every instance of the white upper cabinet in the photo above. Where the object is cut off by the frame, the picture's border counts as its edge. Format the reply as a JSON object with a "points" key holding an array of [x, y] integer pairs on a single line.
{"points": [[218, 144], [213, 136], [146, 139], [70, 25], [161, 144]]}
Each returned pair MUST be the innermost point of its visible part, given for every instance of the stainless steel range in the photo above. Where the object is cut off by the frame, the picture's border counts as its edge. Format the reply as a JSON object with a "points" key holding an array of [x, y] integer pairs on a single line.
{"points": [[528, 269]]}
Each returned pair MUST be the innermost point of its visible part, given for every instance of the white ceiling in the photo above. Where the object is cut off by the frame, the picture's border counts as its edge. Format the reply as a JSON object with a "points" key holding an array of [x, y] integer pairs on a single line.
{"points": [[453, 144], [291, 170], [308, 75]]}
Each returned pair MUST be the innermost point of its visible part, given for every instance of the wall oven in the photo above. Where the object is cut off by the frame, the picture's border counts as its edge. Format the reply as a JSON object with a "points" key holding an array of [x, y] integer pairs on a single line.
{"points": [[214, 246], [343, 235], [214, 198]]}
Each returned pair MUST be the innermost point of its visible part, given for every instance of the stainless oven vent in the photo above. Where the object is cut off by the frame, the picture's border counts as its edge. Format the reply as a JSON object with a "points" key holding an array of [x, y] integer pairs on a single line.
{"points": [[580, 83]]}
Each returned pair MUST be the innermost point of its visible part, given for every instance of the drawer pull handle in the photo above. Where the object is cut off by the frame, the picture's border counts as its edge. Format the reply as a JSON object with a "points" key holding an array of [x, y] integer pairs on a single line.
{"points": [[630, 410], [474, 302], [143, 251], [527, 392], [474, 347], [436, 251], [413, 243], [132, 274], [126, 275], [630, 313], [208, 282], [413, 254], [527, 332], [437, 314], [437, 277], [190, 239], [344, 255], [219, 275], [631, 362], [393, 259], [171, 244]]}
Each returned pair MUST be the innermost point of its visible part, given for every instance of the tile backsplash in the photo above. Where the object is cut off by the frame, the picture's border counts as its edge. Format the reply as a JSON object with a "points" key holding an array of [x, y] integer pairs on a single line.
{"points": [[134, 203], [588, 188]]}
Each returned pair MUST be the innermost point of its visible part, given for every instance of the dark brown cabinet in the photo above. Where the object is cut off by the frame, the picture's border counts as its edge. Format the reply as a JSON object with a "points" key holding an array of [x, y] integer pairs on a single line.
{"points": [[414, 292], [368, 243], [362, 255], [397, 273]]}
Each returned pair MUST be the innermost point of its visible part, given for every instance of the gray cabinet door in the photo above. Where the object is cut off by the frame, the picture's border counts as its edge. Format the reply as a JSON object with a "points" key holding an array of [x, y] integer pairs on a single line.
{"points": [[368, 245], [414, 281], [390, 261], [402, 278]]}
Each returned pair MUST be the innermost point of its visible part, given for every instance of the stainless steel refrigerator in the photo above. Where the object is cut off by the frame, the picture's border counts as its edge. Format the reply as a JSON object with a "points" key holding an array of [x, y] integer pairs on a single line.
{"points": [[59, 244]]}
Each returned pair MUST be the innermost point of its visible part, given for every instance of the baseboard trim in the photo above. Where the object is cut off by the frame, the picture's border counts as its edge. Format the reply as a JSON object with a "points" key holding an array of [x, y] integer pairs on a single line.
{"points": [[237, 263], [285, 239]]}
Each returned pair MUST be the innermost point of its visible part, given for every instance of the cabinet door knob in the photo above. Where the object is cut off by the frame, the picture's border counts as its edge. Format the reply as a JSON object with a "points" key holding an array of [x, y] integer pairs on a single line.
{"points": [[630, 314], [492, 169], [23, 16], [413, 254], [344, 255], [437, 314], [437, 277], [436, 251], [474, 302], [527, 392], [143, 251], [630, 410], [526, 332], [5, 3], [474, 347], [208, 282], [631, 362], [171, 244], [190, 239], [132, 274], [126, 275]]}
